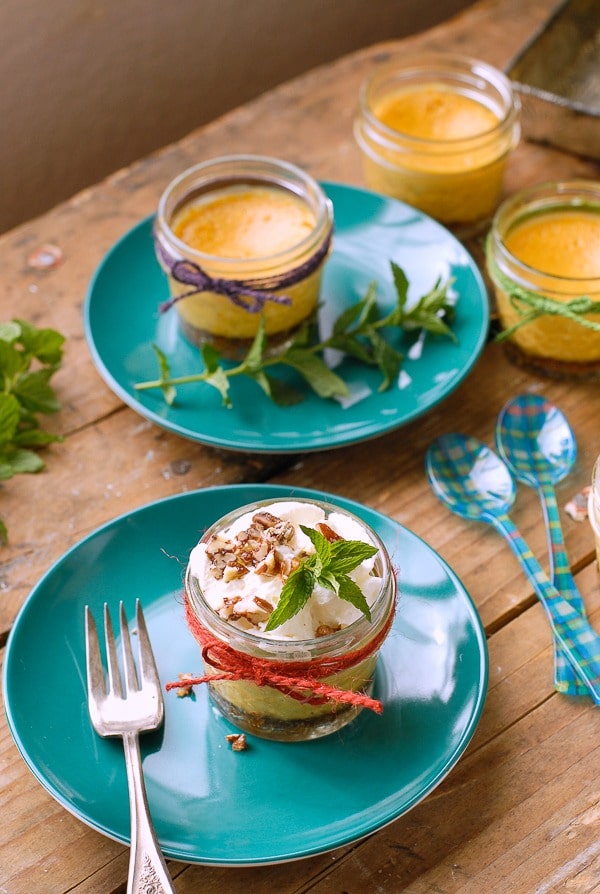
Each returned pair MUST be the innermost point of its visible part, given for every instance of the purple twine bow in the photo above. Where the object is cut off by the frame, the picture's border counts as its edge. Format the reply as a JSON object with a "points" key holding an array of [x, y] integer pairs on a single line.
{"points": [[240, 293]]}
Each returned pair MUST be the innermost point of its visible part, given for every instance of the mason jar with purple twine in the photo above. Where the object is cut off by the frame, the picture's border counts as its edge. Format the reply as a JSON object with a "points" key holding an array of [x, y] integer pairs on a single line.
{"points": [[241, 238]]}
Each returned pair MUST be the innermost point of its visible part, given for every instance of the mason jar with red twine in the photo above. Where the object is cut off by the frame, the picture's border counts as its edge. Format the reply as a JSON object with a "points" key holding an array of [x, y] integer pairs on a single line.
{"points": [[290, 690]]}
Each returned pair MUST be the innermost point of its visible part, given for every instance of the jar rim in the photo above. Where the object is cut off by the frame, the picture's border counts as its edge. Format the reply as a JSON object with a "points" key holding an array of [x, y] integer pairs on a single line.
{"points": [[246, 168], [539, 199], [444, 67], [277, 647]]}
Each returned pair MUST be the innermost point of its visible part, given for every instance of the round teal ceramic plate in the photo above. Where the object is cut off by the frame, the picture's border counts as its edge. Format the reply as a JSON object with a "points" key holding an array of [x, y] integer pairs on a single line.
{"points": [[122, 321], [275, 801]]}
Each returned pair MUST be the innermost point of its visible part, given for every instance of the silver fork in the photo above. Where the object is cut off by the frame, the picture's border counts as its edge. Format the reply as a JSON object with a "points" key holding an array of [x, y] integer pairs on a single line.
{"points": [[127, 710]]}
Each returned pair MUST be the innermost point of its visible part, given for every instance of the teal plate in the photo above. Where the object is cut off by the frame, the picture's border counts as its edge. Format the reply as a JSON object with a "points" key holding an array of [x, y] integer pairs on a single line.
{"points": [[276, 801], [122, 321]]}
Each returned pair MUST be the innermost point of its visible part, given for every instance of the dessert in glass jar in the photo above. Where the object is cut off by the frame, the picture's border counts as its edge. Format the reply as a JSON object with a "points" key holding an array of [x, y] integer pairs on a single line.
{"points": [[241, 237], [290, 602], [543, 255], [435, 131]]}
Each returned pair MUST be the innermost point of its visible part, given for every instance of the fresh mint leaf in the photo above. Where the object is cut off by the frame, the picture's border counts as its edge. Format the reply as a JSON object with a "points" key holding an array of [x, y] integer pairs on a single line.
{"points": [[350, 592], [215, 375], [281, 393], [387, 358], [349, 316], [328, 566], [168, 391], [12, 362], [346, 555], [35, 393], [321, 544], [328, 580], [44, 344], [253, 360], [315, 371], [9, 417], [358, 315], [35, 437], [29, 357], [9, 332], [295, 594], [24, 461], [400, 284], [218, 379], [351, 345]]}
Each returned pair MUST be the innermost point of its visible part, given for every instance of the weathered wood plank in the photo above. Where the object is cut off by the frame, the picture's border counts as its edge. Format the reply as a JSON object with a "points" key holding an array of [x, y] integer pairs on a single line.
{"points": [[106, 469]]}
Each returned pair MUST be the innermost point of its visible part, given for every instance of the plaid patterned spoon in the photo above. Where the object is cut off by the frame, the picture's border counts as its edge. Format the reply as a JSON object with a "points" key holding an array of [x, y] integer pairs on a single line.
{"points": [[476, 484], [537, 444]]}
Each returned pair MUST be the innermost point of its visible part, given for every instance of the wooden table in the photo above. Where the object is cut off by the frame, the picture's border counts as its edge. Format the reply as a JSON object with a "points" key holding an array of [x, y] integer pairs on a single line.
{"points": [[520, 812]]}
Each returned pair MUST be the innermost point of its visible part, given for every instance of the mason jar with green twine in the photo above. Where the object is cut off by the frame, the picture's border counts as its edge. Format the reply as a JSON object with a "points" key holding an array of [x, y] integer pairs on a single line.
{"points": [[543, 256]]}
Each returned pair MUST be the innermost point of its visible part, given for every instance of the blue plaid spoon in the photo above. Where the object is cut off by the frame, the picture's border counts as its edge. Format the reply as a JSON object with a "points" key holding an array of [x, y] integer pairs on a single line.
{"points": [[476, 484], [537, 444]]}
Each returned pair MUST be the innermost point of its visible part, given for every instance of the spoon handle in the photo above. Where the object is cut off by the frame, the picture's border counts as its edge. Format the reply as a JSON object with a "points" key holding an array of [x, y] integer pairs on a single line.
{"points": [[560, 570], [578, 639], [565, 677]]}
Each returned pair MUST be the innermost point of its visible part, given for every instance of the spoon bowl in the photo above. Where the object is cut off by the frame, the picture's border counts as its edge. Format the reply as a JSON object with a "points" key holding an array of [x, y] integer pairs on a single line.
{"points": [[469, 477], [536, 440]]}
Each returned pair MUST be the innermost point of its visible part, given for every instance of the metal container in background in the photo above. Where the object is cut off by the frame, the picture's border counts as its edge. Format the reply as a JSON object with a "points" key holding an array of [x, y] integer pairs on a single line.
{"points": [[557, 75]]}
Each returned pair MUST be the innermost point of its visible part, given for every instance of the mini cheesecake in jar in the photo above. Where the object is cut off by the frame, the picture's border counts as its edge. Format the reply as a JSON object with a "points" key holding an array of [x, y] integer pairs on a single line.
{"points": [[305, 672], [435, 131], [240, 238], [543, 255]]}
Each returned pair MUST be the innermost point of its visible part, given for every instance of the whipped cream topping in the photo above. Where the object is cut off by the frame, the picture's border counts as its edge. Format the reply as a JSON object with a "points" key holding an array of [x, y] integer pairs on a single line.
{"points": [[242, 569]]}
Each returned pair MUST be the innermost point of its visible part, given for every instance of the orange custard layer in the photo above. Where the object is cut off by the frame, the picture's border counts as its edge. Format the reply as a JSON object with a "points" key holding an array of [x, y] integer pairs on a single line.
{"points": [[247, 232], [562, 243], [435, 112], [244, 222], [566, 244], [442, 151]]}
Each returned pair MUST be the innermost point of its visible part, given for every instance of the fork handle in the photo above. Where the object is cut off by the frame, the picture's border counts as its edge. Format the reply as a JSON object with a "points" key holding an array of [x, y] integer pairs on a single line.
{"points": [[148, 873]]}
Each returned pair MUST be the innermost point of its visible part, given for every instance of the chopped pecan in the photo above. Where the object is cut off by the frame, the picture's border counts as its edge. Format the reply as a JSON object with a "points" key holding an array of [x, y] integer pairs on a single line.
{"points": [[186, 688], [227, 611], [265, 519], [264, 604], [326, 629], [234, 571], [252, 548], [327, 532], [237, 741], [272, 565]]}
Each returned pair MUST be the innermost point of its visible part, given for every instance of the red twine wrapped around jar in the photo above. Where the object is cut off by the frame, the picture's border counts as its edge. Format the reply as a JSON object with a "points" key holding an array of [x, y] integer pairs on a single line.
{"points": [[301, 680]]}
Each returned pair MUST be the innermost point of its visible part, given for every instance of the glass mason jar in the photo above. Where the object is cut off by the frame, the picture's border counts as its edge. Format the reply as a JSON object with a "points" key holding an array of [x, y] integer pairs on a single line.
{"points": [[435, 131], [276, 272], [351, 651], [594, 508], [546, 240]]}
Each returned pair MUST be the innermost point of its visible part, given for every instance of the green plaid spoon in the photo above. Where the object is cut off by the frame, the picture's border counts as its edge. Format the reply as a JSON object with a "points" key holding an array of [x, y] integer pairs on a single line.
{"points": [[537, 444], [476, 484]]}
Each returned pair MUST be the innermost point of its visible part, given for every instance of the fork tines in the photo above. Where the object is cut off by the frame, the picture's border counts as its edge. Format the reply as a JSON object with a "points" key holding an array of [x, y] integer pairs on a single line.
{"points": [[142, 680]]}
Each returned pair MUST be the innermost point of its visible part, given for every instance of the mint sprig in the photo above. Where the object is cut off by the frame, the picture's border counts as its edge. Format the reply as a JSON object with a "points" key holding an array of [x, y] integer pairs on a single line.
{"points": [[29, 357], [329, 566], [361, 332]]}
